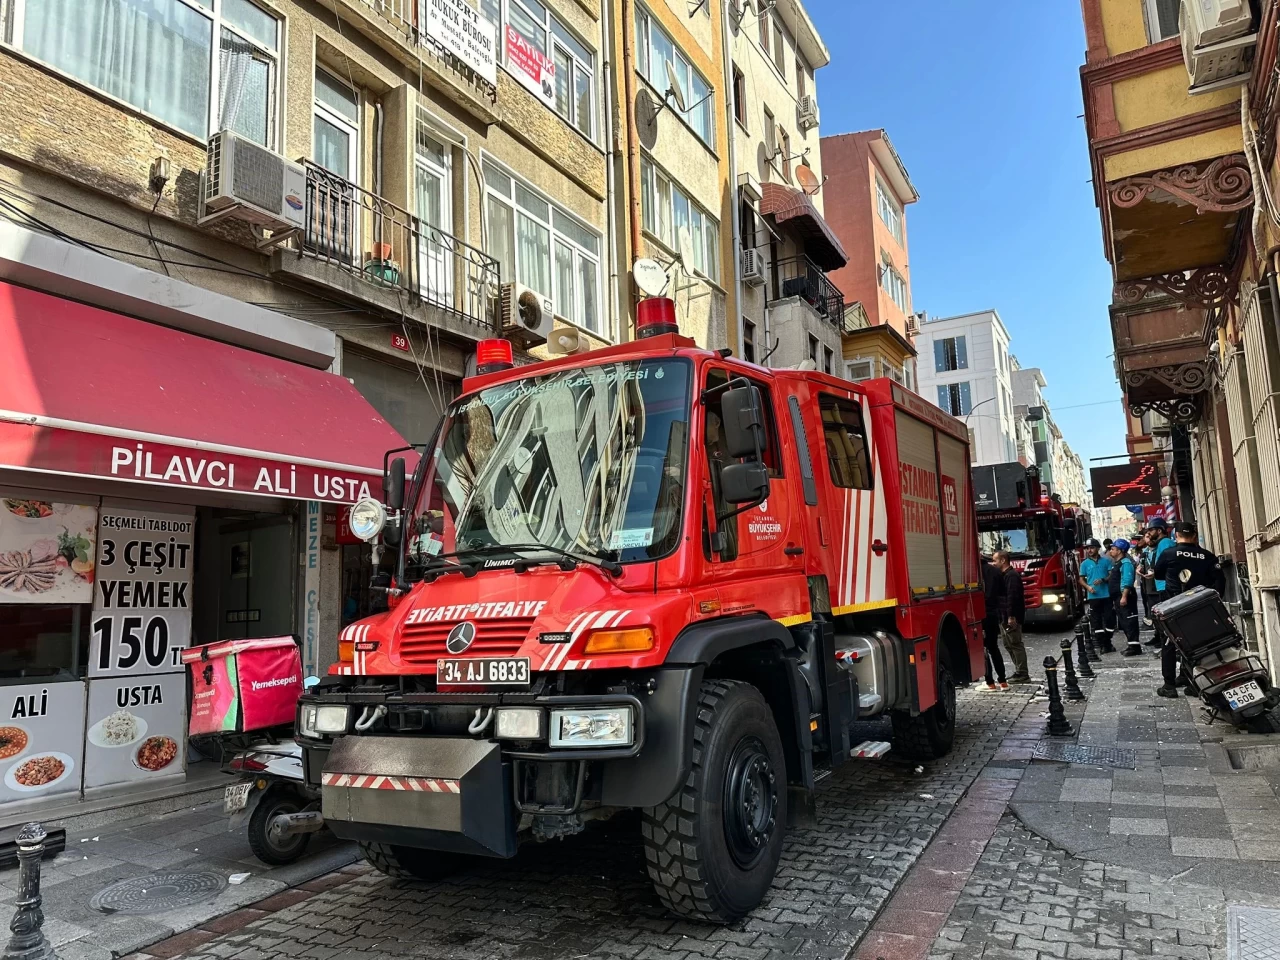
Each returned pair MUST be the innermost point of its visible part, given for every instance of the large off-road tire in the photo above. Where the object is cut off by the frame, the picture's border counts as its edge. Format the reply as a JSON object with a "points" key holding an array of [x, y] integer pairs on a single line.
{"points": [[265, 847], [411, 863], [713, 847], [930, 734]]}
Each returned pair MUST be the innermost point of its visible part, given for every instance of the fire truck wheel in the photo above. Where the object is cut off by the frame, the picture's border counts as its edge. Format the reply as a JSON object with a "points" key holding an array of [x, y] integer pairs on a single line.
{"points": [[410, 863], [713, 847], [929, 735]]}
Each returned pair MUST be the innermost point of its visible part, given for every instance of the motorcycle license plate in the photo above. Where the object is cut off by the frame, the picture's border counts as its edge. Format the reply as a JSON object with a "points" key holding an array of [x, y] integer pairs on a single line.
{"points": [[1243, 695], [236, 797], [483, 671]]}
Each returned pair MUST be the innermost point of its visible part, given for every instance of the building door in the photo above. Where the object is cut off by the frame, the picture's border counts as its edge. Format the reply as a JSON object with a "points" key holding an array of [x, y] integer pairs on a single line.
{"points": [[255, 559], [433, 179]]}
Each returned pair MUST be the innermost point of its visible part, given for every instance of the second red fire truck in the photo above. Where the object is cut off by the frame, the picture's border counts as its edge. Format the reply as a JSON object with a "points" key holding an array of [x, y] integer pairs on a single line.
{"points": [[651, 576]]}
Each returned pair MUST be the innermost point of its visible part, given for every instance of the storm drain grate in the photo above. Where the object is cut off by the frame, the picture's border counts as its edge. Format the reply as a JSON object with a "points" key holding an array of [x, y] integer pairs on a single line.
{"points": [[1117, 757], [1253, 933], [158, 892]]}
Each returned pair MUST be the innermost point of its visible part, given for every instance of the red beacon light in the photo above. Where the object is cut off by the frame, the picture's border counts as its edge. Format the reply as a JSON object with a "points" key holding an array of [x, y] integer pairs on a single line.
{"points": [[656, 316], [494, 356]]}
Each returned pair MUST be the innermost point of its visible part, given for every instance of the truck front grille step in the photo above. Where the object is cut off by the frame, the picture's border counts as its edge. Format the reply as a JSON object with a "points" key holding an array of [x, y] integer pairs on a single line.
{"points": [[870, 750]]}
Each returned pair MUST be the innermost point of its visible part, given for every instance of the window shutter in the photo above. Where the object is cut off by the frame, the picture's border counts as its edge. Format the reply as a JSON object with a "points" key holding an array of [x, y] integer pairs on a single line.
{"points": [[944, 396], [964, 399], [962, 355], [939, 356]]}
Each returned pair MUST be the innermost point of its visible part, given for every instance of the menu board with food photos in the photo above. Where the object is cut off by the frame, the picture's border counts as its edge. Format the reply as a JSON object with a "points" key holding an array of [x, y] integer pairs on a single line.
{"points": [[47, 551], [137, 728], [41, 740]]}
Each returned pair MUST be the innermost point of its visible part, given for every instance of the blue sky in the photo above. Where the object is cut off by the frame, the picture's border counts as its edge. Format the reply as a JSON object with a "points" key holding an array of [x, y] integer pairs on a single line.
{"points": [[982, 102]]}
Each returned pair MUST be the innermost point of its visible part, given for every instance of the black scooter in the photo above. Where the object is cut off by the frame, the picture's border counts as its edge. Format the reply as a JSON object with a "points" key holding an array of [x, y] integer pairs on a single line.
{"points": [[1233, 683]]}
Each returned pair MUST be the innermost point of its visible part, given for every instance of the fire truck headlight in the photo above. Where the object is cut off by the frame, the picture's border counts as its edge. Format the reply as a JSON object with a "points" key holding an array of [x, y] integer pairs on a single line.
{"points": [[368, 517], [609, 727], [1049, 597], [518, 723], [322, 719]]}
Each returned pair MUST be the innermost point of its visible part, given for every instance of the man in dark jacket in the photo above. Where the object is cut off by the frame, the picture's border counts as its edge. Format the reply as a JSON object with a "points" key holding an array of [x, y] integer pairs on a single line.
{"points": [[1184, 566], [1013, 610], [993, 590]]}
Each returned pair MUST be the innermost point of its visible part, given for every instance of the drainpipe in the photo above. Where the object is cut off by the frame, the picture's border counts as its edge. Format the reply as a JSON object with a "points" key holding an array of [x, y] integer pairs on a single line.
{"points": [[633, 146], [734, 205], [377, 163], [611, 157]]}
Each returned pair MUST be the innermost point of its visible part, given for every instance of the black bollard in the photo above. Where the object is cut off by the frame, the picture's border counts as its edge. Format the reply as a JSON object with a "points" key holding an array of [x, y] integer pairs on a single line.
{"points": [[1070, 684], [1057, 725], [28, 941], [1082, 655], [1089, 644]]}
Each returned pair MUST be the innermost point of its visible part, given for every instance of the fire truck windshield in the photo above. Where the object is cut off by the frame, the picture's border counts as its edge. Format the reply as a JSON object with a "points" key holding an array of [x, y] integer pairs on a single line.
{"points": [[590, 460], [1033, 537]]}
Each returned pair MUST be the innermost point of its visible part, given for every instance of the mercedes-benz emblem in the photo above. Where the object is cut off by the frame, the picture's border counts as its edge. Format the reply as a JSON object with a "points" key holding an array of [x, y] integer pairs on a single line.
{"points": [[460, 637]]}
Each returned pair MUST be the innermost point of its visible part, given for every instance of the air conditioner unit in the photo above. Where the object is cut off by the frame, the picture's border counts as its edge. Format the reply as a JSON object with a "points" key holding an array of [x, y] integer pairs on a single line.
{"points": [[807, 112], [749, 186], [1217, 46], [526, 314], [752, 267], [249, 182]]}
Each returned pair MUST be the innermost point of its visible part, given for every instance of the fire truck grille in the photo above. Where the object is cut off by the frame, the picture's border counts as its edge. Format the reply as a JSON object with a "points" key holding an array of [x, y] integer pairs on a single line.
{"points": [[423, 643]]}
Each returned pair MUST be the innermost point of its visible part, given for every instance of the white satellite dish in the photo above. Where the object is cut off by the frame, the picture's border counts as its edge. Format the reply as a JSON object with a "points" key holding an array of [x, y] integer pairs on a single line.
{"points": [[684, 246], [674, 90], [650, 277]]}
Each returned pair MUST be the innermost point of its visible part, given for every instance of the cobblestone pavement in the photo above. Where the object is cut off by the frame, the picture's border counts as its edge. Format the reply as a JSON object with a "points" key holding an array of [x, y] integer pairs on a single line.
{"points": [[589, 896]]}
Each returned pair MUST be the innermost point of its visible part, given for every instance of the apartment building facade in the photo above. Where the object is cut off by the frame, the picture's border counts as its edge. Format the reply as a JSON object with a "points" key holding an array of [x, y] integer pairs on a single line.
{"points": [[233, 371], [966, 370], [1045, 445]]}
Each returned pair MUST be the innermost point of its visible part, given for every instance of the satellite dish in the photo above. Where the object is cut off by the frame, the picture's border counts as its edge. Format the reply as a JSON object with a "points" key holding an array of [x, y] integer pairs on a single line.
{"points": [[674, 90], [646, 119], [737, 11], [684, 244], [779, 138], [808, 180], [650, 277]]}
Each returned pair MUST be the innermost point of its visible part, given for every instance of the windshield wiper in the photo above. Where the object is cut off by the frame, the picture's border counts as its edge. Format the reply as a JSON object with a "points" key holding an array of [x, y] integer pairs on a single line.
{"points": [[568, 561]]}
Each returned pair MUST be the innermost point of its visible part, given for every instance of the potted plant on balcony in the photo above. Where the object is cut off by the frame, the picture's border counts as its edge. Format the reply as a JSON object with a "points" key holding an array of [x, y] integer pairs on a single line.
{"points": [[379, 265]]}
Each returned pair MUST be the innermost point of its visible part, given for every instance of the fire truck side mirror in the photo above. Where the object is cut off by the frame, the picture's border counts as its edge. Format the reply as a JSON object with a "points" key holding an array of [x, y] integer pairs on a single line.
{"points": [[746, 482], [743, 422], [395, 484]]}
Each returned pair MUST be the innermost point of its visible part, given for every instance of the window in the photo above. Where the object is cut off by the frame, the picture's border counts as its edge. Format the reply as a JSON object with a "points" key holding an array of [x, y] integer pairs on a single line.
{"points": [[846, 442], [1162, 19], [336, 126], [785, 145], [954, 398], [668, 213], [779, 49], [763, 19], [748, 341], [544, 247], [770, 134], [861, 369], [892, 282], [828, 360], [739, 96], [950, 353], [813, 350], [802, 86], [655, 50], [890, 212], [200, 67]]}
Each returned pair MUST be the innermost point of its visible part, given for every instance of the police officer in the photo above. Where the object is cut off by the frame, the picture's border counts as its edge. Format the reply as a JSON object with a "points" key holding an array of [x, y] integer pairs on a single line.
{"points": [[1184, 565]]}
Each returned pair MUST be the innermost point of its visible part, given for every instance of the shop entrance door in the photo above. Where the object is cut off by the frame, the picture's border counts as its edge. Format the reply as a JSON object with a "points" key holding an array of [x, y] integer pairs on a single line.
{"points": [[256, 565]]}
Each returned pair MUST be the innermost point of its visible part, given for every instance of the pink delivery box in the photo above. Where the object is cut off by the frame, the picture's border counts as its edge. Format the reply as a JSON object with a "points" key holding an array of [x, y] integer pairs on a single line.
{"points": [[243, 685]]}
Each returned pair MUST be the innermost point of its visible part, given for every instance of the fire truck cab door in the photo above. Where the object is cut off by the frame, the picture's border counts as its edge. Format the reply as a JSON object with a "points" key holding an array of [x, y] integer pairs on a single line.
{"points": [[755, 541]]}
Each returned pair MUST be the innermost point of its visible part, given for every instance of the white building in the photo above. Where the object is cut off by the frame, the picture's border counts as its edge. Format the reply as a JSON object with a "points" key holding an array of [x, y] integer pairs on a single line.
{"points": [[964, 368]]}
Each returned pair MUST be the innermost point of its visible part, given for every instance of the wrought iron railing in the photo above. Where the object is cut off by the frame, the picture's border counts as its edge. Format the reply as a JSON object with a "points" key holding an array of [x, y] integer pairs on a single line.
{"points": [[386, 246], [801, 277], [408, 18]]}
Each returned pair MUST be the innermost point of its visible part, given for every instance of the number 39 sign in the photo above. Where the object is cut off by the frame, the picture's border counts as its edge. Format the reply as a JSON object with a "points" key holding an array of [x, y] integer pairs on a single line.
{"points": [[142, 591]]}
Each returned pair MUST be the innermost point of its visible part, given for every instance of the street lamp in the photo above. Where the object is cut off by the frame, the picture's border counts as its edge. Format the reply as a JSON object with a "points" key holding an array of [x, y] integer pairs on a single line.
{"points": [[975, 407]]}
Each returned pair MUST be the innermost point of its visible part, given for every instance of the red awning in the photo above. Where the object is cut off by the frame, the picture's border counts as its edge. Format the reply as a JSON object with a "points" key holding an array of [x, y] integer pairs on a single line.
{"points": [[796, 208], [88, 392]]}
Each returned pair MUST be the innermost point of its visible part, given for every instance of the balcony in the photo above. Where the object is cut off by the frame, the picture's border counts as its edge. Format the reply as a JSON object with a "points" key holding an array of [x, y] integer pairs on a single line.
{"points": [[801, 277], [380, 255]]}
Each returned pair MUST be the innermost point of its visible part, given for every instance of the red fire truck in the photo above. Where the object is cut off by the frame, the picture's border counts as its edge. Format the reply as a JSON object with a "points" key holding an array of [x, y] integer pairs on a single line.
{"points": [[1019, 513], [651, 576]]}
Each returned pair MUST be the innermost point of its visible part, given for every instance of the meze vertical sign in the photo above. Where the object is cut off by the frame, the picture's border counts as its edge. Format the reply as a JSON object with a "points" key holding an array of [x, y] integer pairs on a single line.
{"points": [[142, 594]]}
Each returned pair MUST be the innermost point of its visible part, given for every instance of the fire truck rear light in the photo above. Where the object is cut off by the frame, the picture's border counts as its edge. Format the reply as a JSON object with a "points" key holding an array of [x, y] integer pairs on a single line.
{"points": [[518, 723], [493, 356], [637, 640], [610, 727]]}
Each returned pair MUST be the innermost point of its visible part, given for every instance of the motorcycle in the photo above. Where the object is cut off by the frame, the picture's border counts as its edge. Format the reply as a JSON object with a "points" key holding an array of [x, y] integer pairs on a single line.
{"points": [[273, 798], [1232, 682]]}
